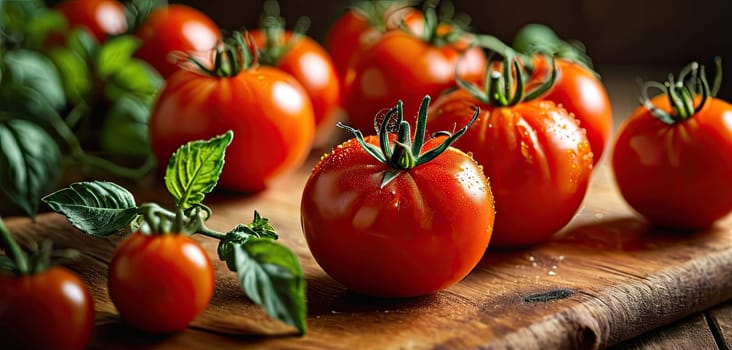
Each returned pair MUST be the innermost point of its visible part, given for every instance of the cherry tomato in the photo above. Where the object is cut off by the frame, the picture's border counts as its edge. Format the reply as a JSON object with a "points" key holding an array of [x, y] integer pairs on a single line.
{"points": [[267, 109], [48, 310], [176, 29], [581, 93], [677, 172], [311, 65], [421, 232], [403, 66], [101, 17], [537, 158], [360, 27], [160, 283]]}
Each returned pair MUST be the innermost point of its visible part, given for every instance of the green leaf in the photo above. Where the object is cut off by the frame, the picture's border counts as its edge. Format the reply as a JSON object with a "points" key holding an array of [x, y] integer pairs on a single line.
{"points": [[135, 77], [259, 228], [76, 78], [115, 54], [29, 163], [96, 208], [271, 276], [35, 71], [194, 169], [82, 43], [125, 130]]}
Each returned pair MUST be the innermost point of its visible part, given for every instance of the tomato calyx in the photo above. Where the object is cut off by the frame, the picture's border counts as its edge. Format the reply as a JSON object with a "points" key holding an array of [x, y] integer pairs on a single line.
{"points": [[377, 13], [238, 53], [687, 94], [38, 259], [405, 153], [505, 83], [273, 26], [444, 28]]}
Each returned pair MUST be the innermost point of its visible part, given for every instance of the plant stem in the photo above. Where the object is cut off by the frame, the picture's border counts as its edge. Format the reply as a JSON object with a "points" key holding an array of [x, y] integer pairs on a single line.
{"points": [[202, 229], [13, 249]]}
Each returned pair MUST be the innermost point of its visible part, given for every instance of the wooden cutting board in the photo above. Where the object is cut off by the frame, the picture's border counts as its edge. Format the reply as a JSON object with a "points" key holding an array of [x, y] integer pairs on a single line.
{"points": [[606, 278]]}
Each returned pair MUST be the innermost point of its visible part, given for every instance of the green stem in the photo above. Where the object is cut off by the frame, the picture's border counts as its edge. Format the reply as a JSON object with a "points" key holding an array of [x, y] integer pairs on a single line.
{"points": [[202, 229], [13, 249]]}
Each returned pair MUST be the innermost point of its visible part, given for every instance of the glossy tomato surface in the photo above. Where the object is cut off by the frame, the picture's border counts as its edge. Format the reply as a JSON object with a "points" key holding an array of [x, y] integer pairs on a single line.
{"points": [[267, 109], [677, 175], [536, 156], [101, 18], [47, 310], [403, 66], [311, 65], [581, 93], [174, 30], [422, 232], [160, 283]]}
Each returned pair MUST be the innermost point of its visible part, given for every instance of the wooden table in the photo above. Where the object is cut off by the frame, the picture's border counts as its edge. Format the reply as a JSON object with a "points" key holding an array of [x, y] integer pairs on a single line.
{"points": [[606, 280]]}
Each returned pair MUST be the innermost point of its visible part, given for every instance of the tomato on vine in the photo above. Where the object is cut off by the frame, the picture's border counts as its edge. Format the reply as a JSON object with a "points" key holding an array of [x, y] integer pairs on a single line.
{"points": [[535, 153], [266, 108], [405, 66], [672, 158], [397, 215]]}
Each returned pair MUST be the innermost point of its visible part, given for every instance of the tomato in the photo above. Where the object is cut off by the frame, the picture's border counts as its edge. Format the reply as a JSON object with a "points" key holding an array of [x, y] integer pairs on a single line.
{"points": [[310, 64], [175, 29], [403, 66], [421, 232], [578, 90], [101, 18], [360, 27], [536, 155], [160, 283], [267, 109], [676, 173], [47, 310]]}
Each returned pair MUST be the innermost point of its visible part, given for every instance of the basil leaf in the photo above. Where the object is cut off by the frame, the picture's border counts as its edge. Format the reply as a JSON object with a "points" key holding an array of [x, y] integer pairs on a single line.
{"points": [[194, 169], [135, 77], [76, 78], [125, 131], [259, 228], [96, 208], [115, 54], [35, 71], [29, 163], [271, 276]]}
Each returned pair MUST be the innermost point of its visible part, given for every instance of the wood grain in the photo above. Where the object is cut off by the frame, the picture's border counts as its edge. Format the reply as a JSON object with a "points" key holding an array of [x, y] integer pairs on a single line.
{"points": [[606, 278]]}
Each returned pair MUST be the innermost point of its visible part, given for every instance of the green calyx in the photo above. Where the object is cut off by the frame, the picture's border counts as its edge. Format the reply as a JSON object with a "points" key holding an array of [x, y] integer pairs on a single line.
{"points": [[405, 153], [683, 93], [273, 26], [436, 18], [37, 260], [237, 54], [507, 86]]}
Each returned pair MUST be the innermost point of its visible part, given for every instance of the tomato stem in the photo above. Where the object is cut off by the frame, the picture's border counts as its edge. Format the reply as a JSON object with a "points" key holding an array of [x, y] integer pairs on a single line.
{"points": [[683, 93], [276, 43], [13, 250]]}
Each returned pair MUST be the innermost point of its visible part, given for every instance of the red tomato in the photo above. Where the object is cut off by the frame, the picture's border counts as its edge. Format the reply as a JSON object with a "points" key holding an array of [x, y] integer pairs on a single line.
{"points": [[403, 66], [101, 17], [582, 94], [310, 64], [160, 283], [422, 232], [357, 29], [48, 310], [176, 29], [536, 156], [677, 175], [267, 109]]}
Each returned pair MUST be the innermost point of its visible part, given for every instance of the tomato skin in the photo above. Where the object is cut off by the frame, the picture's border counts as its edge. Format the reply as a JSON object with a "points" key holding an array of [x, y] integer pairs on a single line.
{"points": [[160, 283], [403, 66], [267, 109], [676, 175], [175, 29], [422, 232], [582, 94], [536, 156], [311, 65], [47, 310], [101, 17]]}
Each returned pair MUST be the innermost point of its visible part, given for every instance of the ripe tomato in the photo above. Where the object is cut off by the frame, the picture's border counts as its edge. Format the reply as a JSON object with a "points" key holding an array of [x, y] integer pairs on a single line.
{"points": [[160, 283], [175, 29], [101, 17], [536, 155], [360, 27], [48, 310], [267, 109], [311, 65], [581, 93], [403, 66], [421, 232], [676, 173]]}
